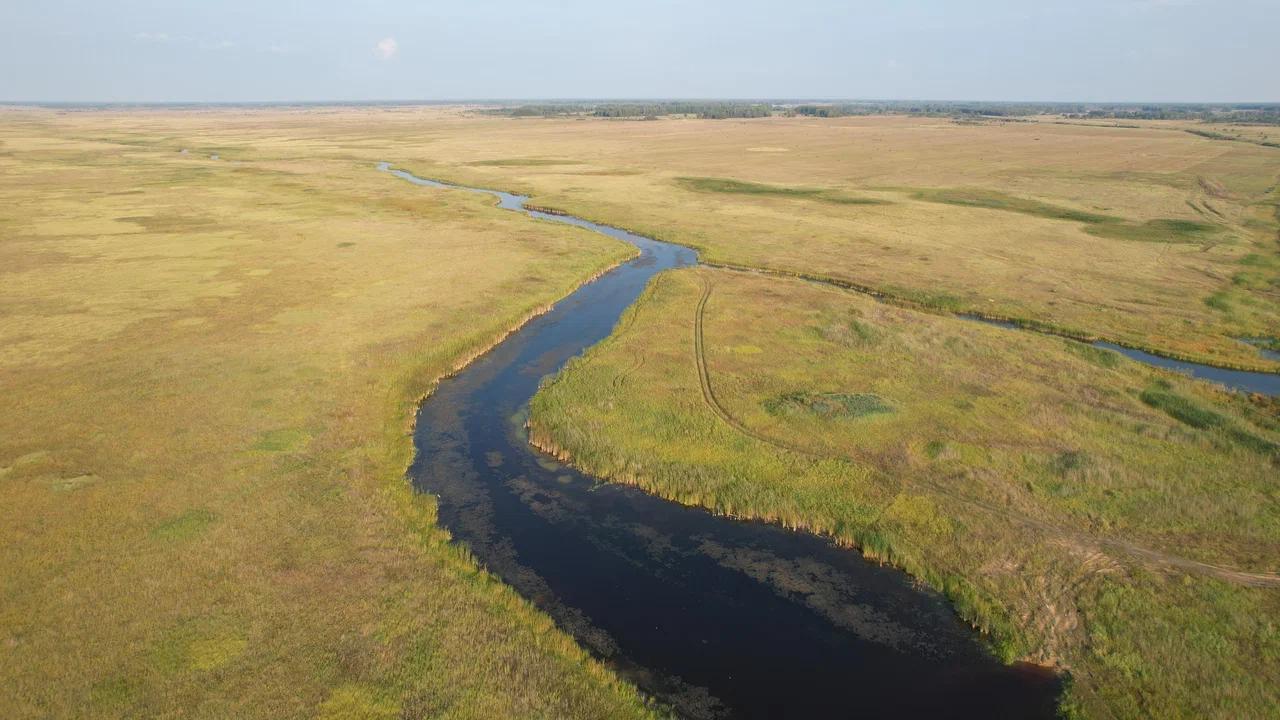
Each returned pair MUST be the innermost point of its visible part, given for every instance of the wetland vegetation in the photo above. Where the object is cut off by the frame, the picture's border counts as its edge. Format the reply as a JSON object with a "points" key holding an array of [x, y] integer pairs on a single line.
{"points": [[216, 327], [1073, 505], [209, 369], [1151, 238]]}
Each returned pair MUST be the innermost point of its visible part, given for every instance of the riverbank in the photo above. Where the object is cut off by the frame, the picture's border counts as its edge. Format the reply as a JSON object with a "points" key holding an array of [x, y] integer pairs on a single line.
{"points": [[1041, 484], [674, 621], [961, 590]]}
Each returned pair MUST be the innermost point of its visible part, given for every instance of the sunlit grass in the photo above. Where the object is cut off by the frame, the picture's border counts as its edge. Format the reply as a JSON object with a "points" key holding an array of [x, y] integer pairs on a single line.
{"points": [[208, 371], [1115, 233]]}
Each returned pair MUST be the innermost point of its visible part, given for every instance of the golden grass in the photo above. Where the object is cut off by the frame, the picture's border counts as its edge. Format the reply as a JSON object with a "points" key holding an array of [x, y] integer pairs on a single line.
{"points": [[855, 199], [1032, 479], [208, 365], [208, 370], [1168, 271]]}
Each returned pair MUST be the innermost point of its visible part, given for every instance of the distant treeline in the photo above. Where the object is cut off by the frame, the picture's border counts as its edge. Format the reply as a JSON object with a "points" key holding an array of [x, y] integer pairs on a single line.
{"points": [[828, 111], [1258, 113], [881, 108], [1240, 113], [708, 110]]}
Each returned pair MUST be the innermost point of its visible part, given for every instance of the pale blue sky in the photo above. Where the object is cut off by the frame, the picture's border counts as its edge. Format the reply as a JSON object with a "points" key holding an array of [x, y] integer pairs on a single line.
{"points": [[262, 50]]}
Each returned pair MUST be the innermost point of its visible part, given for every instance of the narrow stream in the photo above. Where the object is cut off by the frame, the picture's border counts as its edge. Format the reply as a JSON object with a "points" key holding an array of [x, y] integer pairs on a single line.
{"points": [[713, 617], [1242, 380]]}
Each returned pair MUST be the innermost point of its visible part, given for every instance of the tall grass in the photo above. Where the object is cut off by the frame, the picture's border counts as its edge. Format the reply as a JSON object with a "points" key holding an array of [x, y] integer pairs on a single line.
{"points": [[207, 399]]}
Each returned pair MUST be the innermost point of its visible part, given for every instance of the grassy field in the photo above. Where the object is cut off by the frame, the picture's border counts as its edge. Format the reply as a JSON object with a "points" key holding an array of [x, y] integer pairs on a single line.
{"points": [[1081, 509], [209, 368], [1151, 237]]}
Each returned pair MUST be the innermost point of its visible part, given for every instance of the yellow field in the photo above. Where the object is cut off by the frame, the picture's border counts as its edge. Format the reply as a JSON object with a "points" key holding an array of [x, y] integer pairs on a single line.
{"points": [[938, 235], [208, 370], [1152, 237]]}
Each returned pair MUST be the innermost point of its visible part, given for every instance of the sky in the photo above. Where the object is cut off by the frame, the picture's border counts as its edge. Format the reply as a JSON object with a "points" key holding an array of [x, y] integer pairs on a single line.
{"points": [[318, 50]]}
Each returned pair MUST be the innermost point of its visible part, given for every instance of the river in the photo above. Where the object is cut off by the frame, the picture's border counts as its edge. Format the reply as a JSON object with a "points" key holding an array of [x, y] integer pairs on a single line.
{"points": [[712, 616]]}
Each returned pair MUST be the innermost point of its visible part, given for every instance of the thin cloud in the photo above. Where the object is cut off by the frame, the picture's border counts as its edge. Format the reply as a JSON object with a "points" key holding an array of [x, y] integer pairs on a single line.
{"points": [[386, 48]]}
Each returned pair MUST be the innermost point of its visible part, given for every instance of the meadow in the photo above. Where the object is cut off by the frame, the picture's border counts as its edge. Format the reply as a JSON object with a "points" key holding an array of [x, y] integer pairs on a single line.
{"points": [[1085, 512], [1148, 236], [215, 326], [209, 368]]}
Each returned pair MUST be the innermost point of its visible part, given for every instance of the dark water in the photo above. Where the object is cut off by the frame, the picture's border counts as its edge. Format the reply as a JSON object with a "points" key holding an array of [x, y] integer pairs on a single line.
{"points": [[715, 617]]}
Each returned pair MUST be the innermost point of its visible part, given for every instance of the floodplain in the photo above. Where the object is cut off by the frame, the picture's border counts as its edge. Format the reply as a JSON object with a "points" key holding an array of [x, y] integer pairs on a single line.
{"points": [[215, 327]]}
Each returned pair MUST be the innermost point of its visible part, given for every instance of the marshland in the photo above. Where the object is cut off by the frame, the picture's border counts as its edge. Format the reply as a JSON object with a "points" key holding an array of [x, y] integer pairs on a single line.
{"points": [[218, 329]]}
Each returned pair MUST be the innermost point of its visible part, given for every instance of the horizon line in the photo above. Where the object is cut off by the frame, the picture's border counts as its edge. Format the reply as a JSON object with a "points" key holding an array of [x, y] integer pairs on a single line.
{"points": [[587, 99]]}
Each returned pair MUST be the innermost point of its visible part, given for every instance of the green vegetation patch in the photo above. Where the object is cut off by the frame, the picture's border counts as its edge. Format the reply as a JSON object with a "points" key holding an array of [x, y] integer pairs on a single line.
{"points": [[1252, 442], [992, 200], [828, 405], [358, 701], [169, 222], [742, 187], [928, 298], [1095, 355], [1165, 230], [1182, 409], [935, 448], [113, 692], [184, 526], [1189, 413], [213, 653], [281, 440], [1218, 301], [197, 644], [850, 199], [1067, 461]]}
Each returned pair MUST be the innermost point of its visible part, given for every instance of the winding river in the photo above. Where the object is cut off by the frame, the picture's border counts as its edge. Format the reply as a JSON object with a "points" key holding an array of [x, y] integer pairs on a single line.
{"points": [[713, 617]]}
